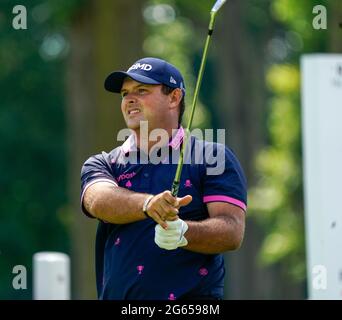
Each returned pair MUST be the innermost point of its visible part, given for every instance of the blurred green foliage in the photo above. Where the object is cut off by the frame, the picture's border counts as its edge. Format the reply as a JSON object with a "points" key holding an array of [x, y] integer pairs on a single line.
{"points": [[277, 199], [32, 137]]}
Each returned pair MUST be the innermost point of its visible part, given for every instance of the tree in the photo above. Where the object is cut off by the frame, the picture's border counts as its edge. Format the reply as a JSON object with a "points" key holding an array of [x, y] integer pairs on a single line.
{"points": [[335, 26], [99, 44], [277, 198], [240, 107]]}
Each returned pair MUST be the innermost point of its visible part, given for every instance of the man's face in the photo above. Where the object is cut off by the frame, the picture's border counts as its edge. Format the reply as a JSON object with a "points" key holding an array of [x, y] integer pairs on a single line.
{"points": [[143, 102]]}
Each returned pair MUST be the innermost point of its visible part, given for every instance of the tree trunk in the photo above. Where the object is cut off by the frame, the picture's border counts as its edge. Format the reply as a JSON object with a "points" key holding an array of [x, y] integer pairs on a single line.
{"points": [[105, 35], [335, 26]]}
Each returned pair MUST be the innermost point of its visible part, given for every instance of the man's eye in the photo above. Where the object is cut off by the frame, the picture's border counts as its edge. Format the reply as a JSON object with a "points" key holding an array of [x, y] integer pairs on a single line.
{"points": [[142, 91], [123, 94]]}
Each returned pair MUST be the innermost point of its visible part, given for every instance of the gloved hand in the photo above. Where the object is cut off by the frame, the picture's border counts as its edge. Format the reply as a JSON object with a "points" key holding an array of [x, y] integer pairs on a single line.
{"points": [[173, 236]]}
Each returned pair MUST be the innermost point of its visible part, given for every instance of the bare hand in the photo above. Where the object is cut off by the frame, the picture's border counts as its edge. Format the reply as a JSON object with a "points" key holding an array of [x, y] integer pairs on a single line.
{"points": [[164, 206]]}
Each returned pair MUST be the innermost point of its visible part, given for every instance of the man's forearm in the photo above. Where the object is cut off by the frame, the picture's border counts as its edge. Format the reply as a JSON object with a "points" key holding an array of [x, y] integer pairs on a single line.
{"points": [[214, 235], [114, 204]]}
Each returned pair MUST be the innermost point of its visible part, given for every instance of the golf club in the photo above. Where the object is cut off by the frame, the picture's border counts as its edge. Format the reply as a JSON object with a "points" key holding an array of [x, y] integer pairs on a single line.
{"points": [[217, 6]]}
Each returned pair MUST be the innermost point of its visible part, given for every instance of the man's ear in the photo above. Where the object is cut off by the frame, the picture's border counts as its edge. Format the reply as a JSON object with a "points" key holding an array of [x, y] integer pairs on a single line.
{"points": [[176, 97]]}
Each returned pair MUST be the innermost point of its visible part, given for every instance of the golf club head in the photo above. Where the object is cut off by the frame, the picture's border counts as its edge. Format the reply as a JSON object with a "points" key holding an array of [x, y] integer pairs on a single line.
{"points": [[217, 6]]}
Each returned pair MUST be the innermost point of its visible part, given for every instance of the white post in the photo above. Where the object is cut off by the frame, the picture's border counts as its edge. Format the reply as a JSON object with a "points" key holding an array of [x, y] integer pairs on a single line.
{"points": [[322, 156], [51, 276]]}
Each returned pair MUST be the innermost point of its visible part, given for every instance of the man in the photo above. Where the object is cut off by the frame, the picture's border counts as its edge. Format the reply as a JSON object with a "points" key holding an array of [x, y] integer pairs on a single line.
{"points": [[150, 245]]}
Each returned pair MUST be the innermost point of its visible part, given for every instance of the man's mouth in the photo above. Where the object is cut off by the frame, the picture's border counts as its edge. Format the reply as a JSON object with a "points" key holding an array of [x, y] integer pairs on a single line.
{"points": [[133, 111]]}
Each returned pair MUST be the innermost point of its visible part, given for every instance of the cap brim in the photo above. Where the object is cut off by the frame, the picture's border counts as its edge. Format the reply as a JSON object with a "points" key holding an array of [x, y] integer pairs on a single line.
{"points": [[114, 81]]}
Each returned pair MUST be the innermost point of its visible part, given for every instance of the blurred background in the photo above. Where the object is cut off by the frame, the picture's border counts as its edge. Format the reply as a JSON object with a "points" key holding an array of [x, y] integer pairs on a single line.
{"points": [[55, 113]]}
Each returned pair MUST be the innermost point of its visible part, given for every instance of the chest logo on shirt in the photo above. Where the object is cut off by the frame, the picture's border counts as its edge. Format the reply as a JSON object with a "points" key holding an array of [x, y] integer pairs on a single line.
{"points": [[128, 184], [140, 269], [187, 184], [203, 272], [172, 296]]}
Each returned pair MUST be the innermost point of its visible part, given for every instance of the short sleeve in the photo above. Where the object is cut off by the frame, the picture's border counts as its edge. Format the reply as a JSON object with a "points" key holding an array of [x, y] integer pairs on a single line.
{"points": [[95, 169], [225, 184]]}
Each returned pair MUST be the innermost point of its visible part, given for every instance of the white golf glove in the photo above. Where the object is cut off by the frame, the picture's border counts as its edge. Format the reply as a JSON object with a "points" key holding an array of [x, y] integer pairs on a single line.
{"points": [[173, 237]]}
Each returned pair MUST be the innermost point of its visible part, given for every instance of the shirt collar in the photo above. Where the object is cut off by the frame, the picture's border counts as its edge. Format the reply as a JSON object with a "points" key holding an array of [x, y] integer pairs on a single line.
{"points": [[130, 144]]}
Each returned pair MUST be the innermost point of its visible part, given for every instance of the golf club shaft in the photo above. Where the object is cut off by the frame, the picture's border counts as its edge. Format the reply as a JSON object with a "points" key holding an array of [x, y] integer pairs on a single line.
{"points": [[176, 181]]}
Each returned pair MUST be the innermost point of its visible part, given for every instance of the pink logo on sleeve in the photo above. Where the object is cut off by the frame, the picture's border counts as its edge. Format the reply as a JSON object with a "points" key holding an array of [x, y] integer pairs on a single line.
{"points": [[117, 242], [203, 271], [140, 269], [171, 297], [188, 183], [128, 184]]}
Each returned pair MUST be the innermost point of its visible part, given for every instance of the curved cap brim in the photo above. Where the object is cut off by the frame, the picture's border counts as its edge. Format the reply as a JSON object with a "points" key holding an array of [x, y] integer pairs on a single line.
{"points": [[114, 81]]}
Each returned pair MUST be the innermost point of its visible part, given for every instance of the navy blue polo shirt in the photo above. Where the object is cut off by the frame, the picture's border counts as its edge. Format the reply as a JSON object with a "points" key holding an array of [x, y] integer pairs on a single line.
{"points": [[129, 265]]}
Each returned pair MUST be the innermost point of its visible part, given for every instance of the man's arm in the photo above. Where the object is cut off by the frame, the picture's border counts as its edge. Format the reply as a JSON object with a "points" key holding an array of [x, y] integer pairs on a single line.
{"points": [[118, 205], [222, 231], [114, 204]]}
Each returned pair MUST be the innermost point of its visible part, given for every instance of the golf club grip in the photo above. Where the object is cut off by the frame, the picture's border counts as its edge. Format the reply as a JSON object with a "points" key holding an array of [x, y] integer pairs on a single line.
{"points": [[175, 188]]}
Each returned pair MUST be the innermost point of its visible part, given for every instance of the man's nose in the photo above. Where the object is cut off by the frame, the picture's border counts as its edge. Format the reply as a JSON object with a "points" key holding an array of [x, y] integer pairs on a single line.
{"points": [[130, 98]]}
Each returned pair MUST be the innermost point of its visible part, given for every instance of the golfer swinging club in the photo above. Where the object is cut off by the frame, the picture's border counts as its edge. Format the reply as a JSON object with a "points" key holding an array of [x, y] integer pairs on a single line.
{"points": [[151, 245]]}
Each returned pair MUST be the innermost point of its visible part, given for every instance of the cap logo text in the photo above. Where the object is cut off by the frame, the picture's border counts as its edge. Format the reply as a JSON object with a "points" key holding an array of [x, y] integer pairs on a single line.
{"points": [[144, 66]]}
